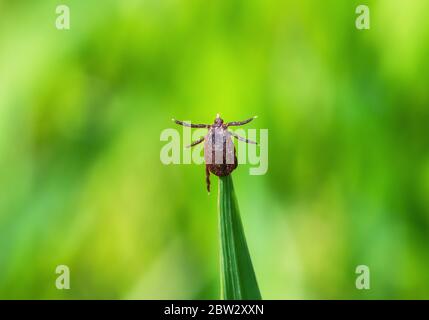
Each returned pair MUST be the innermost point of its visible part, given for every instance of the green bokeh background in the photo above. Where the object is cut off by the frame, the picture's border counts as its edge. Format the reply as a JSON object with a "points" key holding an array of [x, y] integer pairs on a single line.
{"points": [[81, 112]]}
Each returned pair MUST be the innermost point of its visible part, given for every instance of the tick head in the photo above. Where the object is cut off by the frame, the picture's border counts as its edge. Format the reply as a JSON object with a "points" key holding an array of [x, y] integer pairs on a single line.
{"points": [[218, 121]]}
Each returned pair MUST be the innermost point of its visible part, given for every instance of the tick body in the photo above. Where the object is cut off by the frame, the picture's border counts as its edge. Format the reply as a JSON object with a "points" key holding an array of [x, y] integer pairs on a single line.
{"points": [[219, 150]]}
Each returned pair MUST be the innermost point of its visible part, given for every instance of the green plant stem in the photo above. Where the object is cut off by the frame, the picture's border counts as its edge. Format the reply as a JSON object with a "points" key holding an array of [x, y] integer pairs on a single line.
{"points": [[238, 280]]}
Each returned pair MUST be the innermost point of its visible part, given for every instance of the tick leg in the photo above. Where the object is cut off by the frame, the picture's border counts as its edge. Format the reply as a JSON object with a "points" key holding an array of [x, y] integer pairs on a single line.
{"points": [[208, 178], [242, 139], [240, 123], [191, 125], [195, 142]]}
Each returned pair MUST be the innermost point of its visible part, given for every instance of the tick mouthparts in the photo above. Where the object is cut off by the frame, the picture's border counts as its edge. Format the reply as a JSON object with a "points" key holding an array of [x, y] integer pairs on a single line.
{"points": [[217, 115]]}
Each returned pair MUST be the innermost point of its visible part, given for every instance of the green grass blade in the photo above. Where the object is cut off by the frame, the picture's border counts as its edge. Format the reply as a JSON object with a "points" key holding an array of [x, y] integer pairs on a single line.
{"points": [[238, 280]]}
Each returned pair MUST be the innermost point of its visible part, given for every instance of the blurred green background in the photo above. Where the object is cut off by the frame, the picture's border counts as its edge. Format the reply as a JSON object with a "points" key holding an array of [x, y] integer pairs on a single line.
{"points": [[81, 112]]}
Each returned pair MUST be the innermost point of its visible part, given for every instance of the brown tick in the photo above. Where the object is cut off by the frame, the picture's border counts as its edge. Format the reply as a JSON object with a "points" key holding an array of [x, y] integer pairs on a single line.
{"points": [[218, 146]]}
